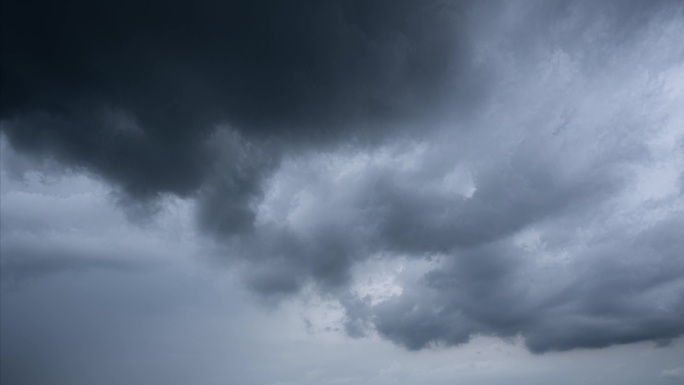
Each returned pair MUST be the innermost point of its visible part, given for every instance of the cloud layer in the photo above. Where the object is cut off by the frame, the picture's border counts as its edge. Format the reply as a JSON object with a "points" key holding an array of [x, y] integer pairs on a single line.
{"points": [[529, 157]]}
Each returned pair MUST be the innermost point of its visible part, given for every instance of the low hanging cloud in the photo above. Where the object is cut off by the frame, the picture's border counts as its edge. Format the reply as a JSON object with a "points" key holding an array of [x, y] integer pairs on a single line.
{"points": [[147, 85], [529, 154]]}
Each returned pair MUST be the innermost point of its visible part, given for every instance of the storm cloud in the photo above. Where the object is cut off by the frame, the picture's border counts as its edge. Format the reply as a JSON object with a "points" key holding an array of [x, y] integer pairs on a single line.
{"points": [[148, 84], [521, 162]]}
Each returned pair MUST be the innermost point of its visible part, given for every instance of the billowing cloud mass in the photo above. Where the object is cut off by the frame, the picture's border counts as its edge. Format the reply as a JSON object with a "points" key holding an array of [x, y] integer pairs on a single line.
{"points": [[517, 167], [148, 84]]}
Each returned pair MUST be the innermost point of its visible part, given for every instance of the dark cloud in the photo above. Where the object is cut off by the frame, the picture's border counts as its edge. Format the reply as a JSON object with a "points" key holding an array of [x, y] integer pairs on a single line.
{"points": [[134, 91], [506, 145], [627, 291], [282, 261], [630, 290], [536, 161]]}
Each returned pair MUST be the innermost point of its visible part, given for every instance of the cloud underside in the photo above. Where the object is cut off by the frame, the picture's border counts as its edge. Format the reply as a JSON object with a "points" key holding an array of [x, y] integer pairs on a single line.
{"points": [[531, 156]]}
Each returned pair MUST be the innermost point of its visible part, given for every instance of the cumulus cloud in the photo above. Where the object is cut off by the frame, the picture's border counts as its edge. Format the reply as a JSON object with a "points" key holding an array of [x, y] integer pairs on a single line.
{"points": [[526, 156], [554, 215]]}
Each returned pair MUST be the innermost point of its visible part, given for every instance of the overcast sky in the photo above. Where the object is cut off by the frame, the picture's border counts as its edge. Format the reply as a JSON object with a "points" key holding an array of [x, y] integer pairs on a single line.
{"points": [[342, 192]]}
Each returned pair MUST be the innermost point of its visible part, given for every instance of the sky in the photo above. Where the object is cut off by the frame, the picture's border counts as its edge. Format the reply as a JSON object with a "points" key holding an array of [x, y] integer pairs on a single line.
{"points": [[342, 192]]}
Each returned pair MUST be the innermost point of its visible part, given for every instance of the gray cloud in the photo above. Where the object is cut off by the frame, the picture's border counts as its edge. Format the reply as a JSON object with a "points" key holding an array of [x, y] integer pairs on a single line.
{"points": [[57, 221], [628, 290], [133, 92], [526, 152], [552, 160], [675, 374]]}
